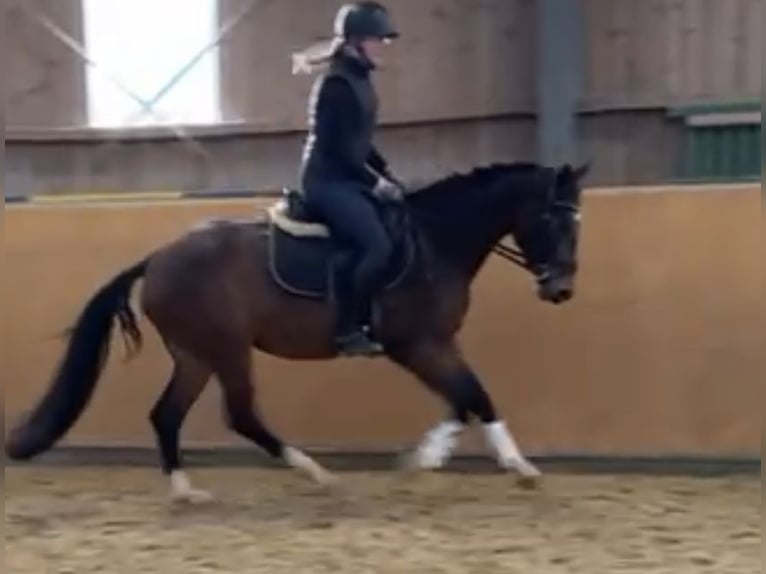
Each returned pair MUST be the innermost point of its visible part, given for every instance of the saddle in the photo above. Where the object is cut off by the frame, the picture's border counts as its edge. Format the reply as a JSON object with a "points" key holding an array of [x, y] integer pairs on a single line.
{"points": [[293, 216], [307, 261]]}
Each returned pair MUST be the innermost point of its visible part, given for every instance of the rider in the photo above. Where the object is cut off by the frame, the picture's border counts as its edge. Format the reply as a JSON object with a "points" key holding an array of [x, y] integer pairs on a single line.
{"points": [[343, 176]]}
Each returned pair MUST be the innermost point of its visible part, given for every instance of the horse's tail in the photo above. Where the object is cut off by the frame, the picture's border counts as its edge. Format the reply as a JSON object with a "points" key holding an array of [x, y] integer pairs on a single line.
{"points": [[75, 380]]}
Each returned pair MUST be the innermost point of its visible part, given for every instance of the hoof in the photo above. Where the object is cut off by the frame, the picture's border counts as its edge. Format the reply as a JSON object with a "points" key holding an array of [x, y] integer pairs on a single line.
{"points": [[326, 479], [309, 467], [530, 482], [529, 476], [415, 462], [192, 497]]}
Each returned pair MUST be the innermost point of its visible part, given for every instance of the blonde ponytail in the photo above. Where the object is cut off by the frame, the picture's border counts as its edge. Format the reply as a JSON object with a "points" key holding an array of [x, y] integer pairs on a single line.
{"points": [[316, 56]]}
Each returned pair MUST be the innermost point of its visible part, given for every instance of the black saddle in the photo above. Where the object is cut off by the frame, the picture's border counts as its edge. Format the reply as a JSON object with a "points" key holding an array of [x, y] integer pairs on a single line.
{"points": [[307, 261]]}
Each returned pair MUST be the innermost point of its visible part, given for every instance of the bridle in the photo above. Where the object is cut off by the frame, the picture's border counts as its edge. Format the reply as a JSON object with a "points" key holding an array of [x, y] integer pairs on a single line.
{"points": [[517, 256]]}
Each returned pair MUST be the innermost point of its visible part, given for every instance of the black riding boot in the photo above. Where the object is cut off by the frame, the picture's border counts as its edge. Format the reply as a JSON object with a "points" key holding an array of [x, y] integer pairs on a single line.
{"points": [[354, 337]]}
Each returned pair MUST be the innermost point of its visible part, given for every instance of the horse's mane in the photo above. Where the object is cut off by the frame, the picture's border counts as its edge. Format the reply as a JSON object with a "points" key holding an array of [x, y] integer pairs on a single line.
{"points": [[452, 195], [463, 212], [480, 177]]}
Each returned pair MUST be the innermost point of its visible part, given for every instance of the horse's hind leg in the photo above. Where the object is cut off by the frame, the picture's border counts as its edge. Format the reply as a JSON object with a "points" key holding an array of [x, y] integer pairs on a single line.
{"points": [[235, 376], [182, 391]]}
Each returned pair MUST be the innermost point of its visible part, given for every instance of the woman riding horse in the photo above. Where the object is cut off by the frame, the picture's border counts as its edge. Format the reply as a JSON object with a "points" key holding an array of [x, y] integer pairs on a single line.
{"points": [[210, 327], [343, 176]]}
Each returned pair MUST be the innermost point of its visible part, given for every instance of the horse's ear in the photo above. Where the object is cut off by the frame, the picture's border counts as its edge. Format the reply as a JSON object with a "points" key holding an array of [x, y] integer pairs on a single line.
{"points": [[564, 173], [580, 172]]}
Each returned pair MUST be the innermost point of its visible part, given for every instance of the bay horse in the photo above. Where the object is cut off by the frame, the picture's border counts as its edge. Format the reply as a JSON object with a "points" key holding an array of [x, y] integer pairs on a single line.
{"points": [[222, 289]]}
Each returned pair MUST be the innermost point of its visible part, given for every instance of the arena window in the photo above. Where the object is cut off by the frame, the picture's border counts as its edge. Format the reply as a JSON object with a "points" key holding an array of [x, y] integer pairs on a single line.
{"points": [[145, 45], [722, 142]]}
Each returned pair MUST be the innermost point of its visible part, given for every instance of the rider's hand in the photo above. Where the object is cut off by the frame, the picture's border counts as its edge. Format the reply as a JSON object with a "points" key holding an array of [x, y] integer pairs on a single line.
{"points": [[387, 189]]}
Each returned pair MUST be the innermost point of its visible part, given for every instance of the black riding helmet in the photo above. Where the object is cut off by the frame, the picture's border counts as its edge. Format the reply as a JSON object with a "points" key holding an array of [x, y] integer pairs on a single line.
{"points": [[364, 20]]}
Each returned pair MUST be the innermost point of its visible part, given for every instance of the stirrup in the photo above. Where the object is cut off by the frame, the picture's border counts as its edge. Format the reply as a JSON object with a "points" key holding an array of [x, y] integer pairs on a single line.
{"points": [[358, 343]]}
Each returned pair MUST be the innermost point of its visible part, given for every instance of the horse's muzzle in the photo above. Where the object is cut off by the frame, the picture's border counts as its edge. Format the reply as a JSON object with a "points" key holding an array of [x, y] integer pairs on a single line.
{"points": [[556, 289]]}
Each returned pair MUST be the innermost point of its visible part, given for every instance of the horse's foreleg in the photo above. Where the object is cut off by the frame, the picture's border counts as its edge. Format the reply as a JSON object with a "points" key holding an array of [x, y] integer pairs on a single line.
{"points": [[509, 455], [442, 368], [437, 366], [437, 446]]}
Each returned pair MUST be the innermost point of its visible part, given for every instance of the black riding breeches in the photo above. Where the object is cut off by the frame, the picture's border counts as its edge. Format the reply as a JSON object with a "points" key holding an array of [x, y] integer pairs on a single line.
{"points": [[354, 219]]}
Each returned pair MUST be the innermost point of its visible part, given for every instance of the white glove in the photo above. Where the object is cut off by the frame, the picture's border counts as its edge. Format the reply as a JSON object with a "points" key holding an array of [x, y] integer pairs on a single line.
{"points": [[387, 189]]}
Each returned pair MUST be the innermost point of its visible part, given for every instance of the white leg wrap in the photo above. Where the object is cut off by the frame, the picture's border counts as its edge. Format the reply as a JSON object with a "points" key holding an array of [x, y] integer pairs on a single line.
{"points": [[181, 489], [301, 461], [508, 453], [438, 445], [179, 482]]}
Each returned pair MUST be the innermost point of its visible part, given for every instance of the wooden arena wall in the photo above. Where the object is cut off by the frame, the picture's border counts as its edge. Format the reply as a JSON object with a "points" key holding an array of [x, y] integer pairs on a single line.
{"points": [[661, 352]]}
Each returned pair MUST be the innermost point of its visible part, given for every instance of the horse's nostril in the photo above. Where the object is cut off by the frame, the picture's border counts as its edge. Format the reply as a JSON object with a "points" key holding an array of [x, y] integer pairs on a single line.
{"points": [[561, 296]]}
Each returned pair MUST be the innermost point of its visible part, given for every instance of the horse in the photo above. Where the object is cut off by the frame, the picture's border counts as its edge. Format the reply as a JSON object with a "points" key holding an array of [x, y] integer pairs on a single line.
{"points": [[265, 282]]}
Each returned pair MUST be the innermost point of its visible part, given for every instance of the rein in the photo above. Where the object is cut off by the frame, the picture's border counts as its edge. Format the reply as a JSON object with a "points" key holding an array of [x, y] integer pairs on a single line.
{"points": [[512, 254]]}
